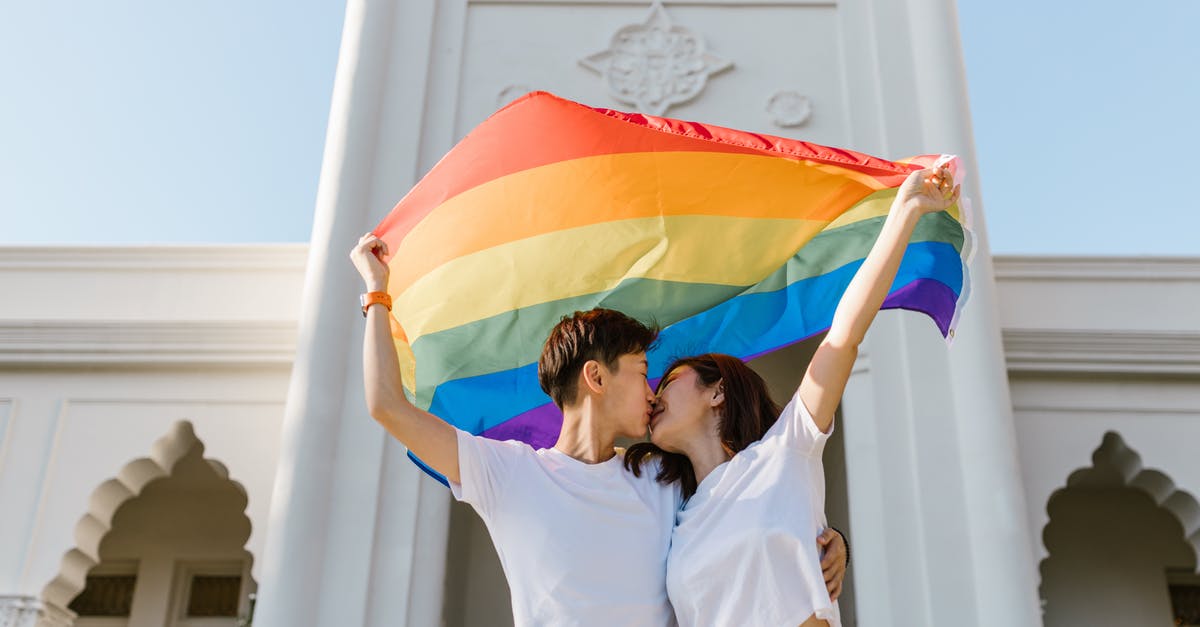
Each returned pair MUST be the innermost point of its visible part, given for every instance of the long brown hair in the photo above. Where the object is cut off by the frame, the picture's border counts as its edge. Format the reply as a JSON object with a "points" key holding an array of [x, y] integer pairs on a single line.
{"points": [[746, 415]]}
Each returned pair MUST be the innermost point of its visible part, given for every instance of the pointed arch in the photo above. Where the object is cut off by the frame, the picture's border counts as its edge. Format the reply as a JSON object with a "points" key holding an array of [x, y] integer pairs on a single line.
{"points": [[112, 494], [1116, 465]]}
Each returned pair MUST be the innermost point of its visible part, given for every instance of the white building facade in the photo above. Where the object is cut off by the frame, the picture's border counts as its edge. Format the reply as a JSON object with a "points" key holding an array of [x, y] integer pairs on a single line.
{"points": [[186, 426], [141, 437]]}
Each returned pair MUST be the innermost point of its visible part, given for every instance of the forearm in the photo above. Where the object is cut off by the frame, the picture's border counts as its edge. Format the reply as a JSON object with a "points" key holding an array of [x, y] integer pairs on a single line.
{"points": [[870, 285], [381, 367], [829, 370], [426, 435]]}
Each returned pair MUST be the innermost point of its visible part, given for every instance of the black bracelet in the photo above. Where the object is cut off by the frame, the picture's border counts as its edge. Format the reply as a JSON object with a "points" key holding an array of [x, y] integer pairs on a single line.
{"points": [[845, 542]]}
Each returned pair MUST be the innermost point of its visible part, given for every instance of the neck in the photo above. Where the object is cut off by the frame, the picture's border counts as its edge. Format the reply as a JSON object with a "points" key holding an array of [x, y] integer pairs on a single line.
{"points": [[583, 436], [706, 453]]}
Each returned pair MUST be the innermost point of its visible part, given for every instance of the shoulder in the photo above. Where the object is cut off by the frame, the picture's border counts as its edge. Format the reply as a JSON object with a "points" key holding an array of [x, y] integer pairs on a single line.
{"points": [[479, 445], [796, 428]]}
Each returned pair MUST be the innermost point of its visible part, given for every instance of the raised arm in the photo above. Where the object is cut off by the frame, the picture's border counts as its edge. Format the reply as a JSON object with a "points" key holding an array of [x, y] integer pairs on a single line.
{"points": [[925, 191], [426, 435]]}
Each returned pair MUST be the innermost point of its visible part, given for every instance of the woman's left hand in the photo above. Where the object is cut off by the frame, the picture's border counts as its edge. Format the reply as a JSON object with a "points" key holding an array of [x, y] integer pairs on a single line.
{"points": [[833, 561]]}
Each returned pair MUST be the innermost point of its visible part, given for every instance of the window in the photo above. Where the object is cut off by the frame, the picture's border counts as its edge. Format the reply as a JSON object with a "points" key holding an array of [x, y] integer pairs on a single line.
{"points": [[214, 595], [105, 595], [108, 591], [1185, 597], [210, 594]]}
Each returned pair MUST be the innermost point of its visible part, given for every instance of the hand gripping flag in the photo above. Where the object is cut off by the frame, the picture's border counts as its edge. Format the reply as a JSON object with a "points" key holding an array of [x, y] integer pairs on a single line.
{"points": [[733, 242]]}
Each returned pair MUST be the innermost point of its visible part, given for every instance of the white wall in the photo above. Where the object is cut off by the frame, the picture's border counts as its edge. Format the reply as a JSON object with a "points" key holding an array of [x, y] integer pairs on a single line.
{"points": [[1098, 345], [102, 352]]}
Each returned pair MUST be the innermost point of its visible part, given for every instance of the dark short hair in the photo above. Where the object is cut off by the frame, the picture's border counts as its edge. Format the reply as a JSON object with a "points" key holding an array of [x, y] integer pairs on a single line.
{"points": [[747, 413], [600, 334]]}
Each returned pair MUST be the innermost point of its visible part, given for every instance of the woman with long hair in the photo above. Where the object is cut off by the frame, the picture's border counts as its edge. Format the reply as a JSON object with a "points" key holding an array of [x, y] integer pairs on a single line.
{"points": [[741, 551]]}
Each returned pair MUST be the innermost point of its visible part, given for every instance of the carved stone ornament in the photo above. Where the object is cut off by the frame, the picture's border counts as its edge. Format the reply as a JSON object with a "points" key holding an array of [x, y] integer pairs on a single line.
{"points": [[27, 611], [511, 93], [789, 108], [655, 64]]}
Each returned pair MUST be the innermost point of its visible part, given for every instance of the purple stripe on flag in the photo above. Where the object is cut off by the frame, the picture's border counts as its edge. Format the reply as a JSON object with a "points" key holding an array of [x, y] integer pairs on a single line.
{"points": [[539, 427], [927, 296]]}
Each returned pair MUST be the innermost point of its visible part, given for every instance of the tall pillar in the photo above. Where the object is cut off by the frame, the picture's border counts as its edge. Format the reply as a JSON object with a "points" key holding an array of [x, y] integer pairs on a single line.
{"points": [[936, 501], [356, 535], [1002, 548]]}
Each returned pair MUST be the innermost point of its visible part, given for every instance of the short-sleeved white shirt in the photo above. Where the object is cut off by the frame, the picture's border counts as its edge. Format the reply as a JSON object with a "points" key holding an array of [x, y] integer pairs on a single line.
{"points": [[744, 551], [581, 544]]}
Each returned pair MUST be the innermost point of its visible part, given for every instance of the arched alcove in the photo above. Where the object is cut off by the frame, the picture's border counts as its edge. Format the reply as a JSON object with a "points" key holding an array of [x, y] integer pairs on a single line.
{"points": [[1115, 530], [173, 498]]}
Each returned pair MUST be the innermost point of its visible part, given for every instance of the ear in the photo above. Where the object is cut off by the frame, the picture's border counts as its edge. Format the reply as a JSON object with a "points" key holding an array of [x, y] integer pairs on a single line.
{"points": [[593, 376], [718, 394]]}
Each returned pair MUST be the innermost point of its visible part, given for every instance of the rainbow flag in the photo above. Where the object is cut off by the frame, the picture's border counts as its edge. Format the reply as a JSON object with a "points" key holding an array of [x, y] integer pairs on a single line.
{"points": [[733, 242]]}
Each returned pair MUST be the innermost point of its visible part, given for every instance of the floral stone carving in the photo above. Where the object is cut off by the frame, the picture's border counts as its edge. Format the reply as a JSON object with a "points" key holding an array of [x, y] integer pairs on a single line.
{"points": [[655, 64]]}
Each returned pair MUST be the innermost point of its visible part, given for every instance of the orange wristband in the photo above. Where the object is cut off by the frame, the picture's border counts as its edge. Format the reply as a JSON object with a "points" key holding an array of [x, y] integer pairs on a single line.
{"points": [[371, 298]]}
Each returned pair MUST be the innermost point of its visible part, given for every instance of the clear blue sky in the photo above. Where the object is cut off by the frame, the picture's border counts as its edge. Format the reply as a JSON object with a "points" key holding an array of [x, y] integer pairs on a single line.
{"points": [[169, 122]]}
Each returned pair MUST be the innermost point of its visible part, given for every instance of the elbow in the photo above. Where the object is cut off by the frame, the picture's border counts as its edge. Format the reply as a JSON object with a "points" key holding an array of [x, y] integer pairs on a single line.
{"points": [[382, 411], [843, 343], [381, 415]]}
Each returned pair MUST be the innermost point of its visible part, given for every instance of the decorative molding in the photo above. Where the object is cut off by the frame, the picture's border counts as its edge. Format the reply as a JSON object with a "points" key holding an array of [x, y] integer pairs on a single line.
{"points": [[1090, 408], [1029, 267], [1069, 351], [789, 108], [25, 342], [252, 257], [511, 93], [655, 64], [224, 400]]}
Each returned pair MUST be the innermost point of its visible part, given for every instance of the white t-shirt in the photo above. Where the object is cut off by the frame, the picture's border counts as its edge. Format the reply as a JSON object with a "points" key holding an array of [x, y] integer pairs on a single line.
{"points": [[744, 551], [581, 544]]}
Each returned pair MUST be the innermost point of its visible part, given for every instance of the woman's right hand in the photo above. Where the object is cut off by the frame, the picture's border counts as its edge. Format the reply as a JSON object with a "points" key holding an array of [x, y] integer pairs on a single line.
{"points": [[928, 191], [367, 258]]}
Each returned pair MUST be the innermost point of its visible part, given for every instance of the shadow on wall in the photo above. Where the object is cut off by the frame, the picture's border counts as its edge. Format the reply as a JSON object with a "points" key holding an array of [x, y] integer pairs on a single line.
{"points": [[1116, 533]]}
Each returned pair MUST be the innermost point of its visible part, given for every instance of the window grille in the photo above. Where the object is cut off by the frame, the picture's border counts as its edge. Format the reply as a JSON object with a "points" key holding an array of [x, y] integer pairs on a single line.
{"points": [[105, 595], [214, 595]]}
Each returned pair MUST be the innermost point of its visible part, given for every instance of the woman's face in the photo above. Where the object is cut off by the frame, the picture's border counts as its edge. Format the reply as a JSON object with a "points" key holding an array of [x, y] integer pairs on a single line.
{"points": [[685, 409]]}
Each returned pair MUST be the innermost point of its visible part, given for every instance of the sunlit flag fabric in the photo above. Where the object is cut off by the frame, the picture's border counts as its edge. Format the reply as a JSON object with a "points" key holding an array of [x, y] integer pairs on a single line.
{"points": [[733, 242]]}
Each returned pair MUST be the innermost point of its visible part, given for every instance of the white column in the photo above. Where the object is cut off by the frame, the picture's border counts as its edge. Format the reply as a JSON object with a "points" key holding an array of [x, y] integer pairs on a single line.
{"points": [[1002, 549], [936, 501], [355, 534]]}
